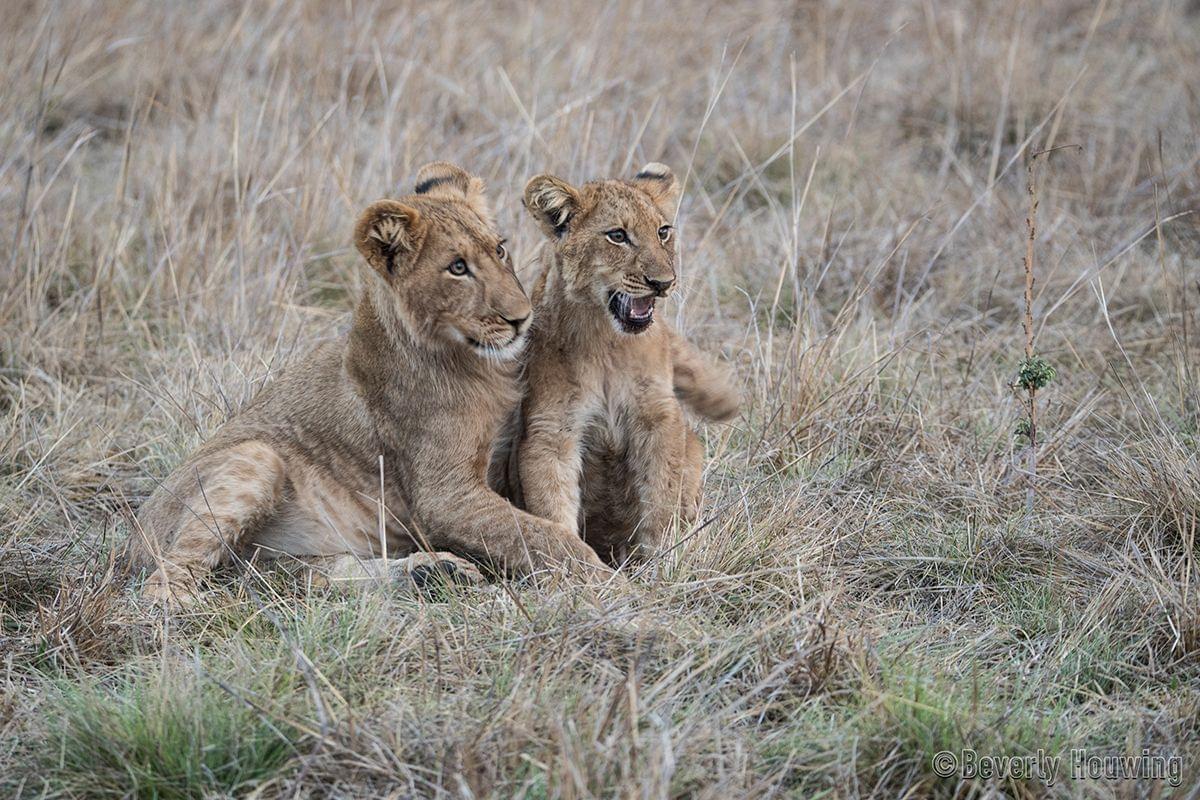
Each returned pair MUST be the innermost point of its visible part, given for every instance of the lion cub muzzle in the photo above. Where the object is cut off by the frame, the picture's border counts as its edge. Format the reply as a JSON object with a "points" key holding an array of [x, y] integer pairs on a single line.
{"points": [[633, 311], [502, 339]]}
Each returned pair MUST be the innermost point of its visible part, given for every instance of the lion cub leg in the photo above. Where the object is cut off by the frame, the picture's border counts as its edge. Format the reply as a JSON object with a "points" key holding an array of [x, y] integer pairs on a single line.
{"points": [[220, 499], [550, 461], [666, 483], [693, 474], [700, 384]]}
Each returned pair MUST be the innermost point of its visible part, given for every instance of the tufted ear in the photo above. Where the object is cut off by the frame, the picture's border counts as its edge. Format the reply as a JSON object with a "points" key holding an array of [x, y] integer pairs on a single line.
{"points": [[446, 180], [387, 232], [552, 202], [659, 182]]}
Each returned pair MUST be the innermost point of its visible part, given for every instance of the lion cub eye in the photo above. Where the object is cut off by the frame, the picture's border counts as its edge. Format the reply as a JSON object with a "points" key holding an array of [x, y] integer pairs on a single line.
{"points": [[617, 236], [458, 268], [664, 233], [501, 252]]}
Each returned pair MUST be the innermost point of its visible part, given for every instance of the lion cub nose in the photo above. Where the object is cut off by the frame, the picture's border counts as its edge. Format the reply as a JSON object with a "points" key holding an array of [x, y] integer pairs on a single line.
{"points": [[659, 287], [518, 323]]}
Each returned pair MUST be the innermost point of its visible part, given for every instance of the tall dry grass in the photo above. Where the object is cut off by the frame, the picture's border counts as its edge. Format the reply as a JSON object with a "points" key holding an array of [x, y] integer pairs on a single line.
{"points": [[176, 189]]}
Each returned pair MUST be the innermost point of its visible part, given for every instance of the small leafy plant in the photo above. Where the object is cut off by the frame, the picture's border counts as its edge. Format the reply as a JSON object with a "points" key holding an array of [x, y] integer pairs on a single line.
{"points": [[1034, 372]]}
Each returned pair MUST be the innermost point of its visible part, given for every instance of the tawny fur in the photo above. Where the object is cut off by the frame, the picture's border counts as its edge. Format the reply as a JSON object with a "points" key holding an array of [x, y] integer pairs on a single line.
{"points": [[601, 443], [424, 379]]}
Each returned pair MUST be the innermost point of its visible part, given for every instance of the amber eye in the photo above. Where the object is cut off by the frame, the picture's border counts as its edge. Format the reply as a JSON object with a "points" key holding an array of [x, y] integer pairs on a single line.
{"points": [[617, 236], [458, 268], [501, 251], [664, 233]]}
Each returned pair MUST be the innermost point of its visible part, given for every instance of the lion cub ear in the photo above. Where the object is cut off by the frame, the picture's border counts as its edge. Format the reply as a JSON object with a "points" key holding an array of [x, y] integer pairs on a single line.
{"points": [[448, 181], [659, 182], [552, 202], [386, 233]]}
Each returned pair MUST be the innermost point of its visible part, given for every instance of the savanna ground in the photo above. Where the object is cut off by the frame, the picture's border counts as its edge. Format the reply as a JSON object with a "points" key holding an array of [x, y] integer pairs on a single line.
{"points": [[177, 185]]}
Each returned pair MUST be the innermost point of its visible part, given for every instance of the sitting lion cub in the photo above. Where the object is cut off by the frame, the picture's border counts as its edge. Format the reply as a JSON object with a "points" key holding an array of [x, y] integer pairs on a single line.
{"points": [[602, 445], [423, 380]]}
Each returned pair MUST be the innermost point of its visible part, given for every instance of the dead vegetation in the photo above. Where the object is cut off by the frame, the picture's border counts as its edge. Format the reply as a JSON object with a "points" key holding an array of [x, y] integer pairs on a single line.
{"points": [[176, 190]]}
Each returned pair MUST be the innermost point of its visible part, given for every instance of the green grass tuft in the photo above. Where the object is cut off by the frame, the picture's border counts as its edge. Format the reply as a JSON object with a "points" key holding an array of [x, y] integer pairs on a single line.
{"points": [[163, 733]]}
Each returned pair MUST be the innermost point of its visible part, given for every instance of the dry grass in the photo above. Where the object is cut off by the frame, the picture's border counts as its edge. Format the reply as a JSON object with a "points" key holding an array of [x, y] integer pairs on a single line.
{"points": [[176, 190]]}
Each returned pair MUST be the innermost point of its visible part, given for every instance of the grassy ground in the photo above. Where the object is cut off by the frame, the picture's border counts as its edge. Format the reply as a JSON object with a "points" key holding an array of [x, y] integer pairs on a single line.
{"points": [[177, 185]]}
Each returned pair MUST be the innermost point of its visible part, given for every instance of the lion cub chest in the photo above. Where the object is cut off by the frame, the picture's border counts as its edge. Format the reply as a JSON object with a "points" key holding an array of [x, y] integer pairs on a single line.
{"points": [[616, 443], [614, 422], [625, 391]]}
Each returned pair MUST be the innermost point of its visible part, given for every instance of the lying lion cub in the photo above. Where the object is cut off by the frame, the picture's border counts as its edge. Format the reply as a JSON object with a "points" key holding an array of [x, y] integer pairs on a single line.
{"points": [[602, 445], [423, 380]]}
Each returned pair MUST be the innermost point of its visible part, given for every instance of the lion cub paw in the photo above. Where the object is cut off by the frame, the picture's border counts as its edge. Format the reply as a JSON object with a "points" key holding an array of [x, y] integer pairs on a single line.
{"points": [[426, 569], [176, 595], [423, 570]]}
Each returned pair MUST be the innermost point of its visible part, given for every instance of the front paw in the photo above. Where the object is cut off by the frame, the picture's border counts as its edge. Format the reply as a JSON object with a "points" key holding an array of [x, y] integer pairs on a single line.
{"points": [[428, 570], [176, 594]]}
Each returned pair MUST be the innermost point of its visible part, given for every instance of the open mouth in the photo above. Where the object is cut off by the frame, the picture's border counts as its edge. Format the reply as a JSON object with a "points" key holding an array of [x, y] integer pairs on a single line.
{"points": [[633, 314]]}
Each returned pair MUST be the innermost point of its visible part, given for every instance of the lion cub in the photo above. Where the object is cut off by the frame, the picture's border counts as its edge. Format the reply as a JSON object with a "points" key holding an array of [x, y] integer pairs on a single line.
{"points": [[602, 445], [416, 390]]}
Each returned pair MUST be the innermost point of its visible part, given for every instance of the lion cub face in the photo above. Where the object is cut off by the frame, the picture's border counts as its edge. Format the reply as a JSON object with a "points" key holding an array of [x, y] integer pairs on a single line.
{"points": [[615, 240], [450, 277]]}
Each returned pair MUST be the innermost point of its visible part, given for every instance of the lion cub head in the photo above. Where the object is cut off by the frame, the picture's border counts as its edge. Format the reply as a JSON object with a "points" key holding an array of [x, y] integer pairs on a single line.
{"points": [[448, 276], [614, 238]]}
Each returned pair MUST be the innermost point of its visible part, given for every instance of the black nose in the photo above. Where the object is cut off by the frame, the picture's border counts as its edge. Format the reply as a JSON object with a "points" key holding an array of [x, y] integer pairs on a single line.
{"points": [[659, 287], [518, 323]]}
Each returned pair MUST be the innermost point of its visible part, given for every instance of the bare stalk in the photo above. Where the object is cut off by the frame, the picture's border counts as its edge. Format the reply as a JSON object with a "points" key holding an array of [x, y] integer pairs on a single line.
{"points": [[1031, 386]]}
